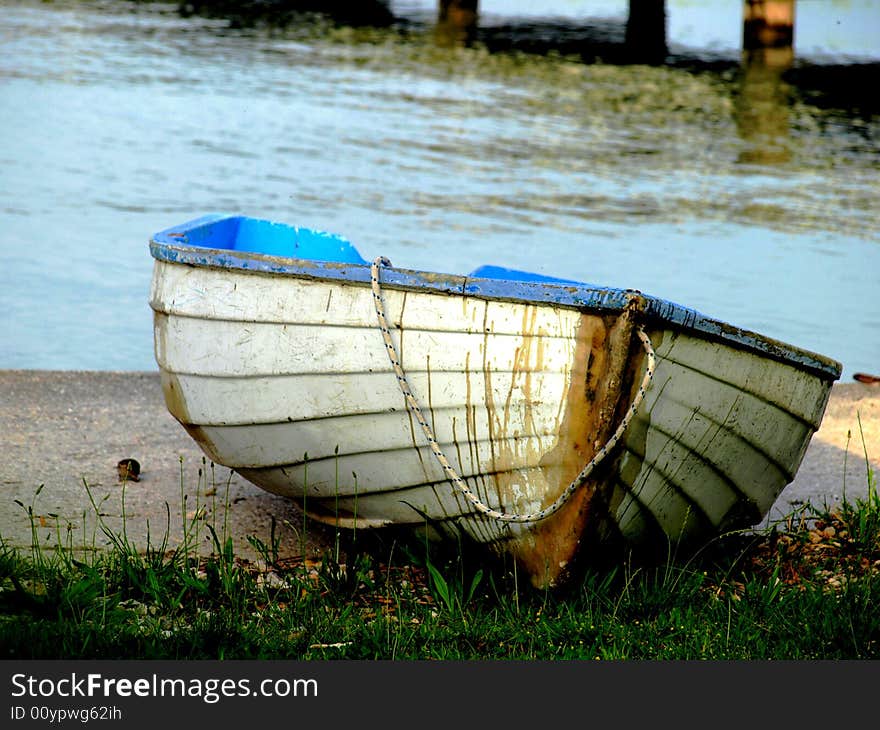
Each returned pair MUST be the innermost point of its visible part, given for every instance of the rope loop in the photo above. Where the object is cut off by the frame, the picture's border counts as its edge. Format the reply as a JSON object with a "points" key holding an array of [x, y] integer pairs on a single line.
{"points": [[449, 470]]}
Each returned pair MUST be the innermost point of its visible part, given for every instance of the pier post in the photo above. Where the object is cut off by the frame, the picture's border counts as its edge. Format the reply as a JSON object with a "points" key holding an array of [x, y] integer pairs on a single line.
{"points": [[646, 31], [456, 21], [768, 24]]}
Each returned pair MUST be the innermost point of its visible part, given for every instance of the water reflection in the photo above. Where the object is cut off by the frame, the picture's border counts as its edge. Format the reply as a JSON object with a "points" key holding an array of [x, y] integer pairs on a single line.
{"points": [[763, 96], [762, 106], [768, 82]]}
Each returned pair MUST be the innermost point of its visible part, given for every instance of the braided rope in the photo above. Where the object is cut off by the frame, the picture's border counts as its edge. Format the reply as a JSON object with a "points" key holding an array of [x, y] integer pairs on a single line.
{"points": [[444, 462]]}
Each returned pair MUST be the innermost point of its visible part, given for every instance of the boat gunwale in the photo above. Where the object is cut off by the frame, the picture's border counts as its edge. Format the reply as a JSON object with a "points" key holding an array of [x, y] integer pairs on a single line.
{"points": [[170, 246]]}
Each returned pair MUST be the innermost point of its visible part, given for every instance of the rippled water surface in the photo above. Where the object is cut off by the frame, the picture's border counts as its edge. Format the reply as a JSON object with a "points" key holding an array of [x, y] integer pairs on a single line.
{"points": [[749, 195]]}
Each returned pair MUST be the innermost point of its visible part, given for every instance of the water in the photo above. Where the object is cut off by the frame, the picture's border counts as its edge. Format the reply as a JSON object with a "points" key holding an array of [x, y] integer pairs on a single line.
{"points": [[746, 197]]}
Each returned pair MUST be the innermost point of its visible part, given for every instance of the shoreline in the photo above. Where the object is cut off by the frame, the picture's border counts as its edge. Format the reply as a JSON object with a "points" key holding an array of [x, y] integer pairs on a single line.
{"points": [[61, 428], [64, 428]]}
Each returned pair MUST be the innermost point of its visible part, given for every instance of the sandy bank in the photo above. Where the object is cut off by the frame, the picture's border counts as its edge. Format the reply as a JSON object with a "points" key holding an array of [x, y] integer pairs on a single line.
{"points": [[60, 429]]}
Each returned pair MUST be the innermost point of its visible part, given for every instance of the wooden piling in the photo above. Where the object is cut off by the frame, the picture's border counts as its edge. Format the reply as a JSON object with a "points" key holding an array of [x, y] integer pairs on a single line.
{"points": [[456, 21], [646, 31], [768, 24], [460, 12]]}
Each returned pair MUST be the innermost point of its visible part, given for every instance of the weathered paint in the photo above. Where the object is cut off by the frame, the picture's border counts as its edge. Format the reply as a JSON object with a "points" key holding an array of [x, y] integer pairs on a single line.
{"points": [[588, 417], [277, 369]]}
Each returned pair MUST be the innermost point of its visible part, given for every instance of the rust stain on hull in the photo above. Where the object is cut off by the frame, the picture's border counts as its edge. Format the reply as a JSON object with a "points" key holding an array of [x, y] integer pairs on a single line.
{"points": [[587, 417]]}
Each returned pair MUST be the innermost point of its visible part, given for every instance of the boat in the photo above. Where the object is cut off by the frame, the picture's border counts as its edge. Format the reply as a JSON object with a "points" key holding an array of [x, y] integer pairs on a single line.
{"points": [[540, 417]]}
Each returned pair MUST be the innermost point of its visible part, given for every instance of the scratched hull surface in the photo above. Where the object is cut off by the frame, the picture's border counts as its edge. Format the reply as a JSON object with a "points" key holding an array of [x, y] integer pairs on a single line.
{"points": [[280, 372]]}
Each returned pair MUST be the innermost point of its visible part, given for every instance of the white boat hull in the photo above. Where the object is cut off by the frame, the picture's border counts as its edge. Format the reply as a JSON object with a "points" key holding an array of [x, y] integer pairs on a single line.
{"points": [[286, 380]]}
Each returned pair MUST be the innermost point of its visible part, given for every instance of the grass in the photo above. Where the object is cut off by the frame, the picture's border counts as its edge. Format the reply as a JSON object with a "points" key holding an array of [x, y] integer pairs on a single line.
{"points": [[805, 589]]}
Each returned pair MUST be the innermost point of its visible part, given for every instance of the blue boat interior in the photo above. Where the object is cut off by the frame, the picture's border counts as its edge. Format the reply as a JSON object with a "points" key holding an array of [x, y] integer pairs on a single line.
{"points": [[501, 272], [240, 233], [253, 235]]}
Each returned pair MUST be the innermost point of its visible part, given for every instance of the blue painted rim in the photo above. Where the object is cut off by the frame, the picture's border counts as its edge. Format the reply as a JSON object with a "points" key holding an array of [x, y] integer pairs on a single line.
{"points": [[171, 245]]}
